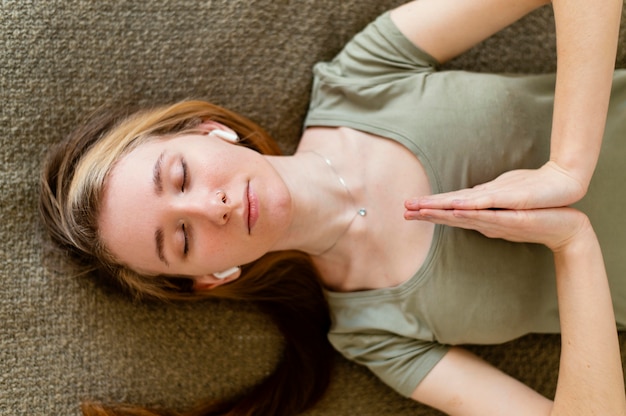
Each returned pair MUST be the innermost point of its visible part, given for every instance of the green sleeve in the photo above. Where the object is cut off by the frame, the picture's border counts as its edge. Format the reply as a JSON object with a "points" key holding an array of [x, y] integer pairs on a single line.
{"points": [[400, 362]]}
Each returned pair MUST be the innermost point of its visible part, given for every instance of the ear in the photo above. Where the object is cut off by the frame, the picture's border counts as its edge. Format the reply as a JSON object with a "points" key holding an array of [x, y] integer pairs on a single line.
{"points": [[213, 128], [210, 281]]}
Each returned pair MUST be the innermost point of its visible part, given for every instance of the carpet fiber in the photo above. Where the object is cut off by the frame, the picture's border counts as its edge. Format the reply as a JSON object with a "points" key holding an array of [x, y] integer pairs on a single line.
{"points": [[64, 338]]}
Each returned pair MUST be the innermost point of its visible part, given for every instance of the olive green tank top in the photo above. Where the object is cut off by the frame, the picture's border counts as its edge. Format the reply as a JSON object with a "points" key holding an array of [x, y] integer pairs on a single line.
{"points": [[466, 129]]}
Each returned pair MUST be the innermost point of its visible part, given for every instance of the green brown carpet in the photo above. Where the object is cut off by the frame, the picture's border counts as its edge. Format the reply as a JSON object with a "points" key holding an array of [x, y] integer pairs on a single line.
{"points": [[64, 338]]}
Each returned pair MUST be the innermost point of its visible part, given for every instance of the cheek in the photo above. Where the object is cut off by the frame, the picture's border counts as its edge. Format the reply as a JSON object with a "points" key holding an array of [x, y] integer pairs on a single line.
{"points": [[215, 169]]}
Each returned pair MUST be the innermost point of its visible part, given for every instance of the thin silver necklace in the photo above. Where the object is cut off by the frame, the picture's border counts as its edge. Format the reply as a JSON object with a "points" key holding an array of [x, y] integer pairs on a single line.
{"points": [[360, 212]]}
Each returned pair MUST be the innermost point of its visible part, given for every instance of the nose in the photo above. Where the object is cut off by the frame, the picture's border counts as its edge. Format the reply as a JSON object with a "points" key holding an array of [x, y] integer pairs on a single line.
{"points": [[216, 207]]}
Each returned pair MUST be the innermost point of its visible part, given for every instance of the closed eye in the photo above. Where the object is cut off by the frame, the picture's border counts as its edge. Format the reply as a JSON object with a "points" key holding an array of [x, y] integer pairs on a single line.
{"points": [[186, 245], [184, 182]]}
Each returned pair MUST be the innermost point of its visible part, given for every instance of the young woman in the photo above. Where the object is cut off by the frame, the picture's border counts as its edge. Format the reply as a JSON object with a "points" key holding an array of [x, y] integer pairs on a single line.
{"points": [[398, 167]]}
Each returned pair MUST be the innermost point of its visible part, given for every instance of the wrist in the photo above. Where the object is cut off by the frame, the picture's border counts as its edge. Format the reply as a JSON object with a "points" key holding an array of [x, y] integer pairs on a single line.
{"points": [[578, 176], [581, 239]]}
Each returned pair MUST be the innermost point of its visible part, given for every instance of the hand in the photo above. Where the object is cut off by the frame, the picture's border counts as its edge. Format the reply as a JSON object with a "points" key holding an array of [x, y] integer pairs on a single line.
{"points": [[554, 227], [546, 187]]}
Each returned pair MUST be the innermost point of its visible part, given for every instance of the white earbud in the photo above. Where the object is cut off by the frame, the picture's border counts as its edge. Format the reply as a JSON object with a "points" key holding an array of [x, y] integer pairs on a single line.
{"points": [[226, 135], [226, 273]]}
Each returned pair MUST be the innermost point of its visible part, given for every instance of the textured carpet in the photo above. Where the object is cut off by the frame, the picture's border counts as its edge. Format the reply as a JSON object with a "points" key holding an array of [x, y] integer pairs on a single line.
{"points": [[64, 338]]}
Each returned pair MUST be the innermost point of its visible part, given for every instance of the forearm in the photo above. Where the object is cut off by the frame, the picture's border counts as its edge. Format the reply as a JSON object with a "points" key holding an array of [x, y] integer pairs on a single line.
{"points": [[587, 33], [590, 376]]}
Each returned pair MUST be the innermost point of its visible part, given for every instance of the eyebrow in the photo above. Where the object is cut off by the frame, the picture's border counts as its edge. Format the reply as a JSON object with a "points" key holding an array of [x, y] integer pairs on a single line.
{"points": [[156, 174], [159, 238]]}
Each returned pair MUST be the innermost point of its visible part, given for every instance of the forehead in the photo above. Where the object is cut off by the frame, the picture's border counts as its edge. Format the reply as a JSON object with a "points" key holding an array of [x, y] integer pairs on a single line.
{"points": [[142, 159], [155, 145], [127, 219]]}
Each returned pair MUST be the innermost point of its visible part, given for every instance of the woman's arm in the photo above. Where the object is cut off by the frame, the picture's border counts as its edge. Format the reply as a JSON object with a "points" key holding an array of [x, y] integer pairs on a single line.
{"points": [[462, 384], [586, 38], [587, 33], [447, 28], [590, 376]]}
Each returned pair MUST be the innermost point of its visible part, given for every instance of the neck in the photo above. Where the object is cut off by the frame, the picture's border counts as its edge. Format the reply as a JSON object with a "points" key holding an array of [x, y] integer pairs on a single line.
{"points": [[323, 205]]}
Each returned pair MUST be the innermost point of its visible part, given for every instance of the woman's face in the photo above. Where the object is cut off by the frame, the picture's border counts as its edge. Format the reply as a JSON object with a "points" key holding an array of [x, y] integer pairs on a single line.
{"points": [[192, 205]]}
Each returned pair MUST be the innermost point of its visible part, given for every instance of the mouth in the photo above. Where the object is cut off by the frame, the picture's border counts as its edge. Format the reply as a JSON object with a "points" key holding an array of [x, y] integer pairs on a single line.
{"points": [[251, 212]]}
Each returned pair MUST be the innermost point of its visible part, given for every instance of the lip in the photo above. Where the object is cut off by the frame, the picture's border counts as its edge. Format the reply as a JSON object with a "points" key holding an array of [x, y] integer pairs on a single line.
{"points": [[251, 212]]}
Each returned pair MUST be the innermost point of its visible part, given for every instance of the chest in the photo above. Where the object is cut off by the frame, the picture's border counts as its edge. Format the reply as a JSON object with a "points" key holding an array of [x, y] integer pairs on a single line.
{"points": [[381, 249]]}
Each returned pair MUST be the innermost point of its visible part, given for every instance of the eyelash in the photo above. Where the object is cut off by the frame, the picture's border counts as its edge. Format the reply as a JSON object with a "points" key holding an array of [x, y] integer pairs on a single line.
{"points": [[186, 246], [182, 189], [184, 166]]}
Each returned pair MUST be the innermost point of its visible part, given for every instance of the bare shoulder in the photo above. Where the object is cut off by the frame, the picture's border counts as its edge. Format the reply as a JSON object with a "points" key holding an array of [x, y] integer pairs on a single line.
{"points": [[351, 144]]}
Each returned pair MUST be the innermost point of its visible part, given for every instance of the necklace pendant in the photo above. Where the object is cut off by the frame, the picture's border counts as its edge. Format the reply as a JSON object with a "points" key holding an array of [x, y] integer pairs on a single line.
{"points": [[362, 212]]}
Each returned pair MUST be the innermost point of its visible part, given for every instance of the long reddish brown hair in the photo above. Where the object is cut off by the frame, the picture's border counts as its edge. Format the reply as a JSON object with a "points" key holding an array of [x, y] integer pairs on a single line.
{"points": [[284, 284]]}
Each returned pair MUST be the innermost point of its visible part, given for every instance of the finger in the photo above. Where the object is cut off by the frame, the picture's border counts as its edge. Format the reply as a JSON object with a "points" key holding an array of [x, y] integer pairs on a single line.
{"points": [[439, 201], [511, 225], [428, 214], [466, 200], [410, 214], [454, 218], [491, 223]]}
